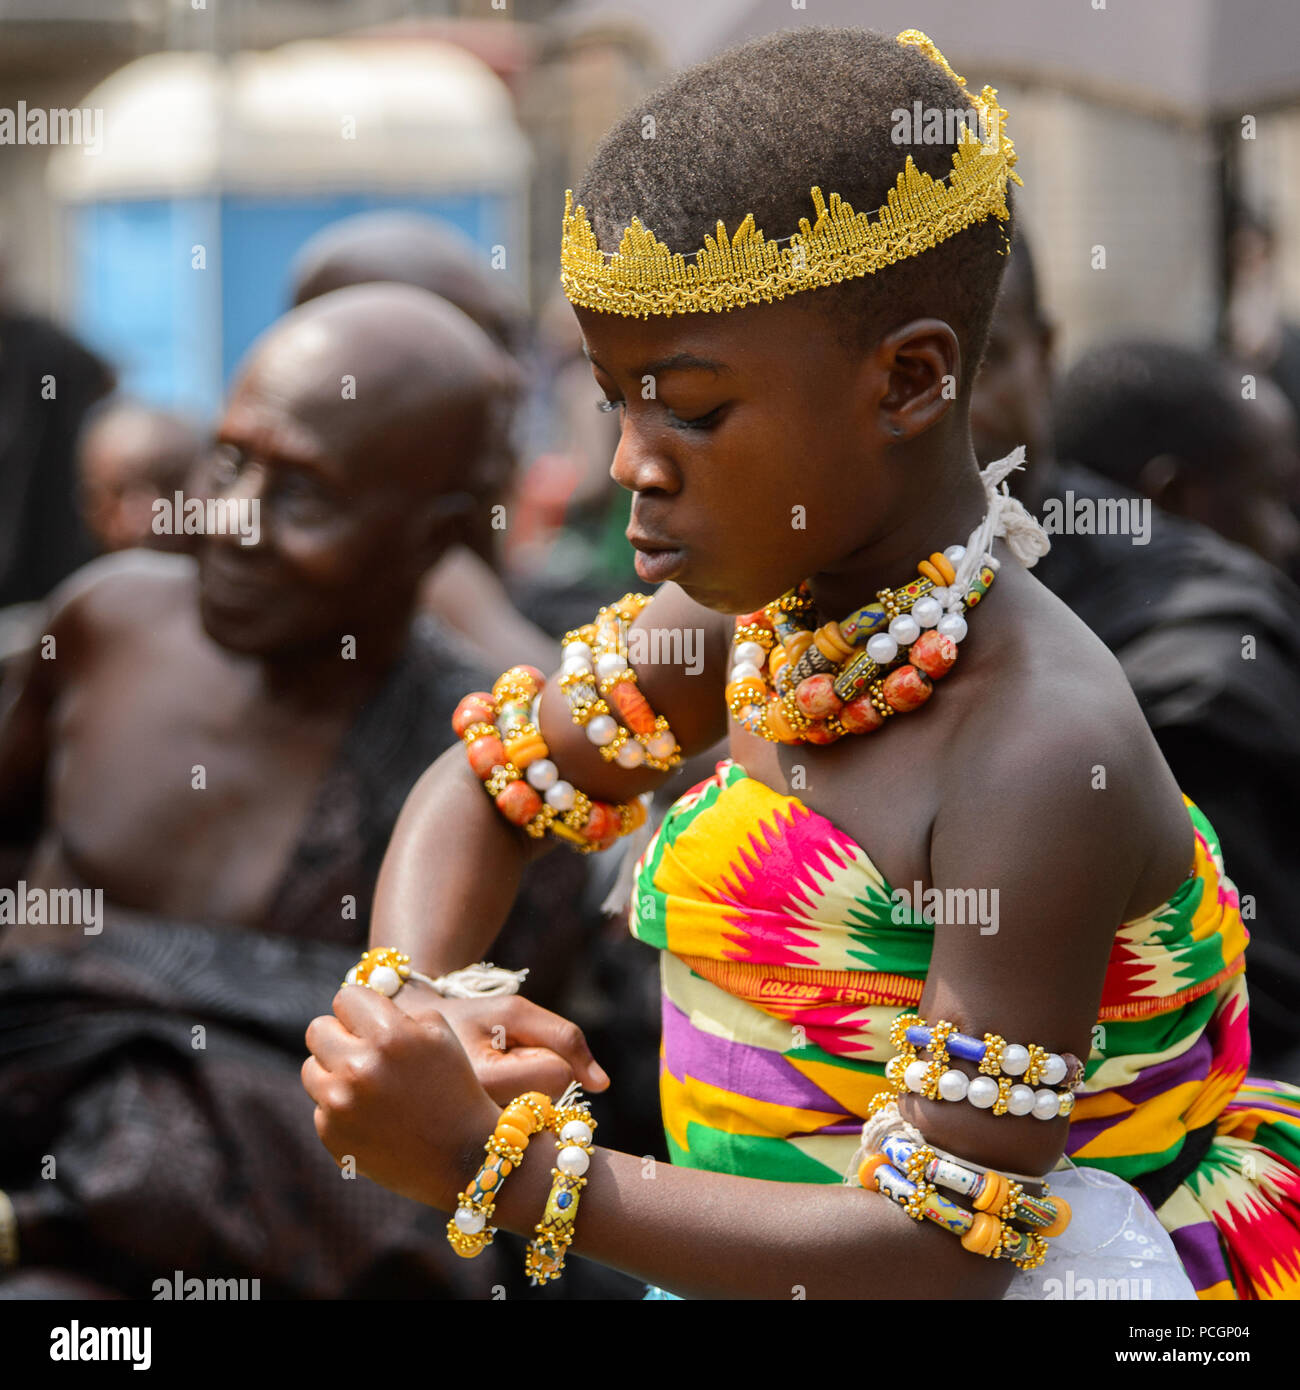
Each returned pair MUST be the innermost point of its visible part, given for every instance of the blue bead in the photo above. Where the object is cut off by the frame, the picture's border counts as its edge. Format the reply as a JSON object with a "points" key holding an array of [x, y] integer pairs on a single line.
{"points": [[563, 1200]]}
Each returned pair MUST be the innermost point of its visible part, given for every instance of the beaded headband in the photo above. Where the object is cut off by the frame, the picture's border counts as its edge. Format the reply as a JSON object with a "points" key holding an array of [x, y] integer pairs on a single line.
{"points": [[644, 277]]}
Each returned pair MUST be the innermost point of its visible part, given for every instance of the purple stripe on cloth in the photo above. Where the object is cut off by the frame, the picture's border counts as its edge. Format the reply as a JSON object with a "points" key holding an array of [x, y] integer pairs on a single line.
{"points": [[1083, 1132], [1192, 1065], [1202, 1256], [754, 1072]]}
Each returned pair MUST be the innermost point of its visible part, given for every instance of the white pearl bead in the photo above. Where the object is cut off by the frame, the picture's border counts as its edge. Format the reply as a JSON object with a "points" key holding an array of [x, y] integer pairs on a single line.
{"points": [[914, 1076], [601, 729], [750, 651], [560, 796], [744, 670], [661, 745], [952, 625], [573, 1161], [351, 976], [882, 648], [469, 1222], [541, 774], [956, 553], [575, 666], [1015, 1059], [1046, 1105], [385, 980], [953, 1085], [630, 755], [983, 1092], [904, 629], [576, 1132], [1020, 1099], [609, 664], [1054, 1070], [927, 611], [578, 650]]}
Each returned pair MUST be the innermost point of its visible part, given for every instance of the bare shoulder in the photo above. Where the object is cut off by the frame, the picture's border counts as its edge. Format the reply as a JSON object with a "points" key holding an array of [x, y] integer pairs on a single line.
{"points": [[121, 591], [1055, 745]]}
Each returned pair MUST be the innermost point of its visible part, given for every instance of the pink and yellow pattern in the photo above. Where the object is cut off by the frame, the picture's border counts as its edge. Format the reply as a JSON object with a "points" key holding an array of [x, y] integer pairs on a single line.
{"points": [[785, 958]]}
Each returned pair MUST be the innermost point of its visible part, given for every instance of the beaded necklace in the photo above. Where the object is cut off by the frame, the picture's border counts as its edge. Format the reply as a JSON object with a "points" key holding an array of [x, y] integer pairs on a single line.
{"points": [[795, 681]]}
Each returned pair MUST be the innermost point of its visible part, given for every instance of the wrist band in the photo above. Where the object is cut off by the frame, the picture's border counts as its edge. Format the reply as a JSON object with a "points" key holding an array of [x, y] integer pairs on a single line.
{"points": [[386, 969], [468, 1230], [574, 1127]]}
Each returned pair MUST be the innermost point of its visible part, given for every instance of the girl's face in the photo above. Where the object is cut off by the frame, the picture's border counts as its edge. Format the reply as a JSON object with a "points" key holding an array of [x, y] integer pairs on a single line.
{"points": [[754, 446]]}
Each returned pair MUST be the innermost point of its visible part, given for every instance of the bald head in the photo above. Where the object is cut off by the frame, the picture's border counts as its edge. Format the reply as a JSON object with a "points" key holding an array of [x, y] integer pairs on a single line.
{"points": [[409, 249], [388, 379]]}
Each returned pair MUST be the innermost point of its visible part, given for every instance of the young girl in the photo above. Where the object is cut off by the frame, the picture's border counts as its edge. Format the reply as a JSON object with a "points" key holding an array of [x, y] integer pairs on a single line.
{"points": [[941, 797]]}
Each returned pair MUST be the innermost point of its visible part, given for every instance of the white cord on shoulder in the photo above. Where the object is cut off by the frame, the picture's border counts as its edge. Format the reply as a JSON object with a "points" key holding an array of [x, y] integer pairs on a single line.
{"points": [[1006, 517]]}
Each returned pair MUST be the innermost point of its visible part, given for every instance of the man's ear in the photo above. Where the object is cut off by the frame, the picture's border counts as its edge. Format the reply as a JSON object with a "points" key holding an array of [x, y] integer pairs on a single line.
{"points": [[922, 365]]}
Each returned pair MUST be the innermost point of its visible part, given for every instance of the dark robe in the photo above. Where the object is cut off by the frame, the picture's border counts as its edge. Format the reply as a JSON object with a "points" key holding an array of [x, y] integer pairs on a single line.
{"points": [[1174, 612], [158, 1062]]}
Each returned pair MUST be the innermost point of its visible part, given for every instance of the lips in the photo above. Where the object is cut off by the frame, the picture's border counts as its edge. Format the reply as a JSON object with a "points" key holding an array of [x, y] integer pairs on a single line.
{"points": [[656, 560]]}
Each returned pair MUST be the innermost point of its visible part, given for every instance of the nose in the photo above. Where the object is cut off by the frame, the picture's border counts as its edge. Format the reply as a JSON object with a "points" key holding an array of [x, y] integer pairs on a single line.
{"points": [[252, 485], [638, 466]]}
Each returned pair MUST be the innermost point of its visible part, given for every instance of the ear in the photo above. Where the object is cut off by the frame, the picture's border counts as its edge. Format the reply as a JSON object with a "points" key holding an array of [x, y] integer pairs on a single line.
{"points": [[921, 364], [440, 523]]}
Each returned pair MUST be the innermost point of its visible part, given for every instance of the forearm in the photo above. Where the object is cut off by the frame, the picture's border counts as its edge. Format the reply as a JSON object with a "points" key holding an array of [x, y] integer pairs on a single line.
{"points": [[712, 1235], [452, 870]]}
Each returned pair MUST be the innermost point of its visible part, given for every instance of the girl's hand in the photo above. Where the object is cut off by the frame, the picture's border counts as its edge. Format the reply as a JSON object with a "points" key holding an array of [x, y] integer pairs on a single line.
{"points": [[513, 1044], [398, 1096]]}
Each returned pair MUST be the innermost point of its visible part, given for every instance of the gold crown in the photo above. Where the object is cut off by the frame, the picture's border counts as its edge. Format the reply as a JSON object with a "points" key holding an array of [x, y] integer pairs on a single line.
{"points": [[644, 277]]}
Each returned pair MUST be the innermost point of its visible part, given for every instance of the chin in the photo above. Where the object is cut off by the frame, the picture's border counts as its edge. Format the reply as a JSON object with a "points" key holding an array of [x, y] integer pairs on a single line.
{"points": [[239, 634]]}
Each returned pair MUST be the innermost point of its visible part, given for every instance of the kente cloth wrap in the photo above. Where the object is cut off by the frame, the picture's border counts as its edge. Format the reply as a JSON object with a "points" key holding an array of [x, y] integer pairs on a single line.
{"points": [[783, 967]]}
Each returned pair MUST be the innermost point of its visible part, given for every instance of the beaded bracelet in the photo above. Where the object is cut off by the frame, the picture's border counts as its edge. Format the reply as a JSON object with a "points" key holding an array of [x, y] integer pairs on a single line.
{"points": [[468, 1230], [985, 1188], [981, 1232], [574, 1127], [994, 1089], [509, 755], [386, 969], [596, 675]]}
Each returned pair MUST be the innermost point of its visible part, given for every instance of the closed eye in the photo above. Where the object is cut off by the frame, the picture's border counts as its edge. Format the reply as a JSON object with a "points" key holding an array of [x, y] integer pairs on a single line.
{"points": [[701, 422]]}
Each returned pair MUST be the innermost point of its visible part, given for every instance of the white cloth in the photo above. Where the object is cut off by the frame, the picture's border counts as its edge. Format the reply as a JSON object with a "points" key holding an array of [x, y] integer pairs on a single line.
{"points": [[1114, 1247]]}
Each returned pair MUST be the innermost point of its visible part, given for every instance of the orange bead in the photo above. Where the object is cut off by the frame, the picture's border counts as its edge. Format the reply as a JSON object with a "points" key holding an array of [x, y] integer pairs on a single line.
{"points": [[484, 754], [798, 644], [984, 1236], [757, 619], [475, 708], [487, 1181], [1062, 1218], [508, 1134], [830, 642], [520, 1116], [601, 822], [860, 716], [516, 676], [994, 1196], [779, 724], [944, 565], [636, 815], [631, 707], [819, 733], [816, 697], [519, 803], [525, 749], [543, 1104], [933, 653], [928, 571], [749, 685], [867, 1169], [906, 688], [777, 658]]}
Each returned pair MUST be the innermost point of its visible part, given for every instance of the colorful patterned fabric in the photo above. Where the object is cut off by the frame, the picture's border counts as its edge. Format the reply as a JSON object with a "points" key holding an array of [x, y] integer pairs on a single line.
{"points": [[785, 958]]}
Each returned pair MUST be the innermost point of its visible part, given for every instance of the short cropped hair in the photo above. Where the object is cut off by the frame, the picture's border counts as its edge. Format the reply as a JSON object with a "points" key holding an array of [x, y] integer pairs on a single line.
{"points": [[753, 129]]}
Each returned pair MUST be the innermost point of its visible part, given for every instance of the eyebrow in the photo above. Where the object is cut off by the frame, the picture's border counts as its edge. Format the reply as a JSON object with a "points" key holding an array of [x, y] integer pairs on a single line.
{"points": [[677, 362]]}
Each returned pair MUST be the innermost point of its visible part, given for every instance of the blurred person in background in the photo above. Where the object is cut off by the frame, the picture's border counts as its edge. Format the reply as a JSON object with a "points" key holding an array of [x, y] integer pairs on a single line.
{"points": [[1175, 611], [48, 382], [129, 457], [220, 744], [1171, 423], [465, 589]]}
